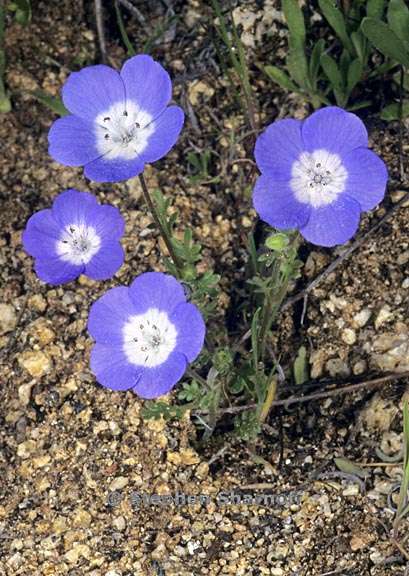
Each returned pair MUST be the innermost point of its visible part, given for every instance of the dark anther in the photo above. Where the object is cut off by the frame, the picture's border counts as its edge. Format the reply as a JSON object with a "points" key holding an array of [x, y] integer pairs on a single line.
{"points": [[107, 119], [72, 229], [318, 165], [125, 113], [137, 125], [135, 339], [141, 326], [106, 136]]}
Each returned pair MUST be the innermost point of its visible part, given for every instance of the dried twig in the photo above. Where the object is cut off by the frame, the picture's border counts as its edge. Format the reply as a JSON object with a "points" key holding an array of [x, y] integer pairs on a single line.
{"points": [[134, 10], [320, 395], [99, 19]]}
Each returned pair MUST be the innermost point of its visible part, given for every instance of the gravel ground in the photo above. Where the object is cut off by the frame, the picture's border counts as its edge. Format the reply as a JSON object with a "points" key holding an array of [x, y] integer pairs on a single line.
{"points": [[77, 462]]}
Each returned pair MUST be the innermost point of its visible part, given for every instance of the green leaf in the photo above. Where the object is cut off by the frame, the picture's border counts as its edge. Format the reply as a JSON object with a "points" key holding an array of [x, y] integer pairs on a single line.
{"points": [[125, 38], [5, 104], [315, 58], [335, 18], [391, 112], [354, 74], [332, 72], [22, 10], [385, 40], [280, 78], [375, 8], [398, 19], [360, 44], [52, 102], [300, 368], [297, 65], [359, 105], [295, 21], [277, 242], [349, 467]]}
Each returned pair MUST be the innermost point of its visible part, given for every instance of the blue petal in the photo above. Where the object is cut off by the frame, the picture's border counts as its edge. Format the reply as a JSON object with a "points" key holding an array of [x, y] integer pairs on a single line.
{"points": [[275, 203], [278, 147], [109, 314], [335, 130], [41, 234], [93, 90], [333, 224], [106, 261], [367, 177], [103, 170], [167, 129], [147, 83], [157, 381], [112, 369], [156, 290], [191, 330], [107, 221], [73, 206], [72, 141], [56, 271]]}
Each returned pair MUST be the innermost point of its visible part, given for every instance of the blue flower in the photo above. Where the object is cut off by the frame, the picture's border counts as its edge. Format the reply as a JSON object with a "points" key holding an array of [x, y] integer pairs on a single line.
{"points": [[118, 121], [318, 175], [76, 236], [145, 335]]}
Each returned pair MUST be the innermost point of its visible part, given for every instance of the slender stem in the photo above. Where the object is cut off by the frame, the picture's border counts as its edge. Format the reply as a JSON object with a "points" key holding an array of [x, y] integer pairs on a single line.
{"points": [[158, 222], [274, 300]]}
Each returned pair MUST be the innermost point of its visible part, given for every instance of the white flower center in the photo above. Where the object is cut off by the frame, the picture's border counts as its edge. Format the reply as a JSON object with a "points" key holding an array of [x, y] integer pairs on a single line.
{"points": [[149, 338], [123, 131], [318, 178], [78, 243]]}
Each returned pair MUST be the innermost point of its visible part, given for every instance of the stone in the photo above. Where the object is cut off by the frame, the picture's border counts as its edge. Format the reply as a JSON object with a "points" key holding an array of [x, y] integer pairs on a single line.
{"points": [[82, 519], [348, 336], [337, 367], [118, 483], [37, 363], [361, 318], [383, 316], [119, 523], [37, 302], [391, 352], [8, 318], [24, 393]]}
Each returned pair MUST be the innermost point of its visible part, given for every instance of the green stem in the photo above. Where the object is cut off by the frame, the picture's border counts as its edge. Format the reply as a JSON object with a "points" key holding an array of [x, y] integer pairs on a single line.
{"points": [[164, 233], [274, 300]]}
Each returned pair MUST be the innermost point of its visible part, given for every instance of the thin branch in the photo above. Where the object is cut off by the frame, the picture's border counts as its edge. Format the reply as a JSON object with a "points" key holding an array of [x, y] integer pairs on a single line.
{"points": [[152, 208], [321, 395], [134, 10], [99, 19]]}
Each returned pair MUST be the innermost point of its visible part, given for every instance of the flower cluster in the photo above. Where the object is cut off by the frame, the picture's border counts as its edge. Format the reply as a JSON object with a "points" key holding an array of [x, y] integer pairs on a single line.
{"points": [[317, 175]]}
